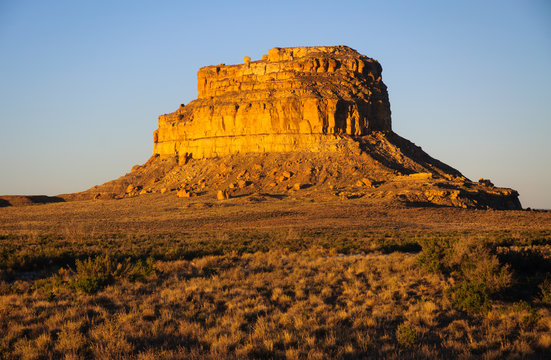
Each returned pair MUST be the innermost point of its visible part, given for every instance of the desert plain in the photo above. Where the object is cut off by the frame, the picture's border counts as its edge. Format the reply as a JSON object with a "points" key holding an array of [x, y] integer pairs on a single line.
{"points": [[260, 276]]}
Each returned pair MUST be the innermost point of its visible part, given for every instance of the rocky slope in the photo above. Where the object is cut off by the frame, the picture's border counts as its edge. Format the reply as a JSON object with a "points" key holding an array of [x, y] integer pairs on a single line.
{"points": [[307, 121]]}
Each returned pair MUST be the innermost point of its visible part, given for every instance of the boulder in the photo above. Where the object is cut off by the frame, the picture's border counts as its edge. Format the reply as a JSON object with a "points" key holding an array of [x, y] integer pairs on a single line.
{"points": [[222, 195], [183, 193]]}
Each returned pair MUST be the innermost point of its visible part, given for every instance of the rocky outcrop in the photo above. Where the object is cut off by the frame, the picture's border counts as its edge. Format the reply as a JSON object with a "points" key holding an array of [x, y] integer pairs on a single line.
{"points": [[292, 99], [306, 121]]}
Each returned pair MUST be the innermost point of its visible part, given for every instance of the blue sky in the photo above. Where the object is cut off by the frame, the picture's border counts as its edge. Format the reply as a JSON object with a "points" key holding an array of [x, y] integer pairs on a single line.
{"points": [[82, 82]]}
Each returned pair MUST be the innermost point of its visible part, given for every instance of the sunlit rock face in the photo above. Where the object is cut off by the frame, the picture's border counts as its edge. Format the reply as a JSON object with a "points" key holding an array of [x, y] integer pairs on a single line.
{"points": [[292, 99]]}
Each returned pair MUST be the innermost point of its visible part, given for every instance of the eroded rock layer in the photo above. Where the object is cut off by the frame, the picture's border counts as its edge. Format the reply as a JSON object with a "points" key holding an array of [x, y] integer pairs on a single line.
{"points": [[292, 99]]}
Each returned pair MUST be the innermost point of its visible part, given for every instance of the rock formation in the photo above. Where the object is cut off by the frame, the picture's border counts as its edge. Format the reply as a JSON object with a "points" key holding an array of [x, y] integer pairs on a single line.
{"points": [[308, 120], [292, 99]]}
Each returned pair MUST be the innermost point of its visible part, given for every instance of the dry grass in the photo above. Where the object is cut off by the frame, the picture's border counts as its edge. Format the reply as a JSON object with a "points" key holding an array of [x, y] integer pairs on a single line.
{"points": [[165, 213], [277, 304], [349, 284]]}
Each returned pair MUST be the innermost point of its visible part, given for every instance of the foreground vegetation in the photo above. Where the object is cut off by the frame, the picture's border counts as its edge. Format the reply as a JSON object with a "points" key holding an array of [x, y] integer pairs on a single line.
{"points": [[271, 276], [291, 293]]}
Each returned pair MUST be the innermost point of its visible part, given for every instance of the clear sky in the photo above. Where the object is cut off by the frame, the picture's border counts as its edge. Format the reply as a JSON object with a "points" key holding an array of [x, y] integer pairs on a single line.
{"points": [[82, 82]]}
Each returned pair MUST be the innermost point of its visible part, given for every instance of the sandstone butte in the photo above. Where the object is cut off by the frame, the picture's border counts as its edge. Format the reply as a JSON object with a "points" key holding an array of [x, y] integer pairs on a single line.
{"points": [[292, 99], [303, 121]]}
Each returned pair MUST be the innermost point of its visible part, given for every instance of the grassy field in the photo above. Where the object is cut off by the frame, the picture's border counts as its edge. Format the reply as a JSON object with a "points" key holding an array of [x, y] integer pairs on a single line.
{"points": [[278, 277]]}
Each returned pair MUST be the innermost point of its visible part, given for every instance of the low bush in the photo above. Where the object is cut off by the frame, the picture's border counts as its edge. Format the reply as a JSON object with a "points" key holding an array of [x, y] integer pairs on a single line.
{"points": [[406, 335], [478, 271], [479, 265], [435, 254], [530, 314], [93, 274], [471, 297], [545, 291]]}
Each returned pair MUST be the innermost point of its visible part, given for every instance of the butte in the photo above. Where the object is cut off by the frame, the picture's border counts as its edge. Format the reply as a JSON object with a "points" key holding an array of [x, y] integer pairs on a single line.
{"points": [[314, 122]]}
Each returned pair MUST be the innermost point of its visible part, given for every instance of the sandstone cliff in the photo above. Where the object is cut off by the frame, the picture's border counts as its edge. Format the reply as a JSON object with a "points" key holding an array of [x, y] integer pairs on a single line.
{"points": [[292, 99], [311, 122]]}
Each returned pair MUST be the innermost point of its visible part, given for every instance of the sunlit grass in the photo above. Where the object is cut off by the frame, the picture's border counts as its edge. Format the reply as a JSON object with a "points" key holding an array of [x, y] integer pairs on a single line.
{"points": [[455, 284]]}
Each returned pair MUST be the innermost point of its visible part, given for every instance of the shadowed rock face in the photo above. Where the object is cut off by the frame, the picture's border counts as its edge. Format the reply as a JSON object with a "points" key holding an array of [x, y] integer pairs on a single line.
{"points": [[292, 99], [311, 122], [22, 200]]}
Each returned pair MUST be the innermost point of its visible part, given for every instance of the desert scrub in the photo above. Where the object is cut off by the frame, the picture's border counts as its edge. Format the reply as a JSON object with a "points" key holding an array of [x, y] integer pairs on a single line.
{"points": [[95, 273], [529, 314], [274, 304], [471, 297], [406, 336], [545, 292], [478, 273], [481, 276], [435, 255], [479, 265]]}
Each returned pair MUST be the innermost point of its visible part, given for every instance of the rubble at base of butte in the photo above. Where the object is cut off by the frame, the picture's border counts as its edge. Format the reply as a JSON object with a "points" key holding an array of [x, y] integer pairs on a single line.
{"points": [[308, 121]]}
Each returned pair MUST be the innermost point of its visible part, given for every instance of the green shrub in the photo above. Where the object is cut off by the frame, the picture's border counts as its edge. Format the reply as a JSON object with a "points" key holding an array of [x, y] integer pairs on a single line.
{"points": [[406, 335], [471, 297], [434, 256], [479, 265], [140, 270], [531, 315], [545, 290], [90, 284], [93, 274], [49, 287], [478, 272]]}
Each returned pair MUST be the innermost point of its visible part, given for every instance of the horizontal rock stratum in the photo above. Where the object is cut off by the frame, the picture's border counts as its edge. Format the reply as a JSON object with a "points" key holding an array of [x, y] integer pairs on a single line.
{"points": [[294, 98], [310, 122]]}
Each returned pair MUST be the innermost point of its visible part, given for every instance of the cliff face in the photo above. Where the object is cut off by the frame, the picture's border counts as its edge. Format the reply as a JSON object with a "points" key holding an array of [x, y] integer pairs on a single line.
{"points": [[292, 99]]}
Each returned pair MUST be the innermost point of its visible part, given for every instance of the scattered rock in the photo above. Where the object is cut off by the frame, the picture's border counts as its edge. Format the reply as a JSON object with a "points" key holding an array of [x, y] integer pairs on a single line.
{"points": [[223, 195], [183, 193], [367, 182]]}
